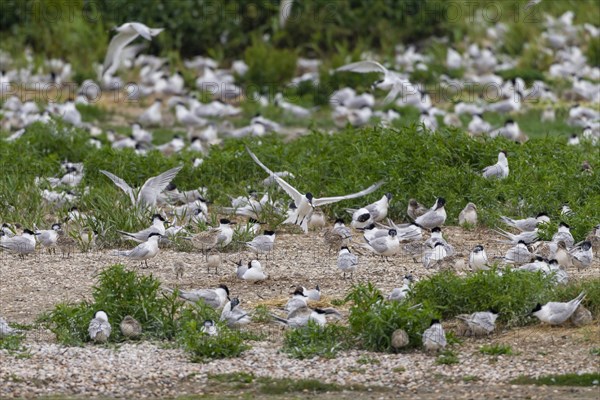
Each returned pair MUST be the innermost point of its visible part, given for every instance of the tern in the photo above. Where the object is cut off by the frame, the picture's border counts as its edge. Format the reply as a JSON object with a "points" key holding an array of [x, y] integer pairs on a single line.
{"points": [[399, 294], [306, 202], [143, 251], [374, 212], [481, 323], [128, 32], [158, 226], [21, 244], [392, 81], [434, 217], [233, 315], [347, 262], [498, 170], [555, 313], [527, 224], [215, 298], [148, 193], [478, 259], [434, 338], [99, 328]]}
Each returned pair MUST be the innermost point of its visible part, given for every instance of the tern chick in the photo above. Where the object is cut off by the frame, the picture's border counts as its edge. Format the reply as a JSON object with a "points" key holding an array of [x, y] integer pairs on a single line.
{"points": [[130, 327]]}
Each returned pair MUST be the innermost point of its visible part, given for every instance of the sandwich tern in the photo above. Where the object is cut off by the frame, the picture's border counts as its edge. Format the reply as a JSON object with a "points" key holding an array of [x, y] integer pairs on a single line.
{"points": [[128, 32], [498, 170], [555, 313], [434, 217], [99, 328], [143, 251], [434, 338], [215, 298], [306, 202], [148, 193], [347, 262], [233, 315]]}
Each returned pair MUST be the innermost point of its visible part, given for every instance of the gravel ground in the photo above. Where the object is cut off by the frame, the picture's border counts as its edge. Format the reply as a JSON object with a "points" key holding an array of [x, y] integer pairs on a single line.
{"points": [[30, 287]]}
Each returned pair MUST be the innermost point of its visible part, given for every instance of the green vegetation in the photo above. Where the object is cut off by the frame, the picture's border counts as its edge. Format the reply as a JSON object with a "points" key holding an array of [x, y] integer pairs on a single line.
{"points": [[447, 163], [560, 380], [261, 314], [513, 293], [496, 349], [372, 320], [201, 346], [447, 357], [251, 384], [120, 292], [12, 343], [314, 340]]}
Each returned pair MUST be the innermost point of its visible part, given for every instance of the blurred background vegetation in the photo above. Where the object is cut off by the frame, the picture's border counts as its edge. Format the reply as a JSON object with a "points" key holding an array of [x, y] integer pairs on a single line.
{"points": [[79, 30]]}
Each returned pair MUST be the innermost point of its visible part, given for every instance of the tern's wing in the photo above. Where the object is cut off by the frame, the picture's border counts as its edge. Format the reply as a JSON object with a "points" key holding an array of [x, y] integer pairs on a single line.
{"points": [[328, 200], [364, 67], [393, 93], [289, 189], [139, 252], [154, 186], [145, 31], [116, 46], [121, 184], [285, 9]]}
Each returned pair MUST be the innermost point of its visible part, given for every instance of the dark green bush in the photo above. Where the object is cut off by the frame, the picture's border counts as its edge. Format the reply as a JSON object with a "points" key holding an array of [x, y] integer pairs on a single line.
{"points": [[314, 340], [202, 347], [372, 320]]}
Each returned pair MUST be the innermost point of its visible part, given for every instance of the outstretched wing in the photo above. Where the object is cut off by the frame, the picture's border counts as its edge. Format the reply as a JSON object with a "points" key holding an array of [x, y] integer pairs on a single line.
{"points": [[154, 186], [121, 184], [289, 189], [145, 31], [328, 200], [116, 46], [364, 67]]}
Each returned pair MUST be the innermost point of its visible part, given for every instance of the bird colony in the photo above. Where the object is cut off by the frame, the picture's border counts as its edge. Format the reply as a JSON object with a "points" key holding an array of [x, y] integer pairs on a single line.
{"points": [[365, 236]]}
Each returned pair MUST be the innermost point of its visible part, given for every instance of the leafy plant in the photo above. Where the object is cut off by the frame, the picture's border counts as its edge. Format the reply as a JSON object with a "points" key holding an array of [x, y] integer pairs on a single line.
{"points": [[314, 340], [496, 349], [373, 320], [261, 314], [201, 346], [447, 357], [592, 379], [512, 293]]}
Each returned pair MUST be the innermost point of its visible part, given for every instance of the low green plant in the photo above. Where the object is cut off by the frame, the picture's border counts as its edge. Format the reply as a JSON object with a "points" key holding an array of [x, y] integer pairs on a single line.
{"points": [[512, 293], [496, 349], [367, 360], [120, 292], [595, 351], [271, 386], [201, 346], [592, 379], [261, 314], [447, 357], [373, 320], [12, 343], [315, 340]]}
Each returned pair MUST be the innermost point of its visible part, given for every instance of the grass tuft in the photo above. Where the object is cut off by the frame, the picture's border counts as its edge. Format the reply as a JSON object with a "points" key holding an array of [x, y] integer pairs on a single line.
{"points": [[560, 380]]}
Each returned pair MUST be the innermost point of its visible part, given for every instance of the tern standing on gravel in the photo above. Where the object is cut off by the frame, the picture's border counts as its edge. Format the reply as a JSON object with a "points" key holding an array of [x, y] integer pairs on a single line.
{"points": [[143, 251]]}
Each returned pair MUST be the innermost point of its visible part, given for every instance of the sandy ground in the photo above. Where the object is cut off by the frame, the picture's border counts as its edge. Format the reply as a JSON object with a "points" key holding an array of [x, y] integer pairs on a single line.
{"points": [[29, 287]]}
